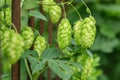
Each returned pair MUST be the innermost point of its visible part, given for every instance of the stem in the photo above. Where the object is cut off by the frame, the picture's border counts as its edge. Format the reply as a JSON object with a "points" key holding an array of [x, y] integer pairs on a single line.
{"points": [[28, 70], [86, 7], [14, 27], [37, 74], [64, 10], [71, 1], [75, 10], [36, 30]]}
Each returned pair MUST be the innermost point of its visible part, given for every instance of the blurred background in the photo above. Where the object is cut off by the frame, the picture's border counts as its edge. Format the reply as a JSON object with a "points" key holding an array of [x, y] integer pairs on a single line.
{"points": [[107, 43]]}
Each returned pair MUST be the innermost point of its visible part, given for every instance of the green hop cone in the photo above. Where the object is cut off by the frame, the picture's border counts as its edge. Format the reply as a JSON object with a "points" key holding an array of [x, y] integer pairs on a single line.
{"points": [[40, 44], [12, 45], [8, 17], [28, 36], [87, 65], [77, 32], [88, 32], [87, 69], [47, 4], [64, 33], [84, 32], [55, 13], [1, 17]]}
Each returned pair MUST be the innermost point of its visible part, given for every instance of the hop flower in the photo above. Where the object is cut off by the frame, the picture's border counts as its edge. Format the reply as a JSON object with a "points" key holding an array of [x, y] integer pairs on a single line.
{"points": [[88, 32], [28, 36], [55, 13], [77, 31], [87, 65], [64, 33], [84, 32], [40, 45], [87, 69], [47, 4], [12, 45]]}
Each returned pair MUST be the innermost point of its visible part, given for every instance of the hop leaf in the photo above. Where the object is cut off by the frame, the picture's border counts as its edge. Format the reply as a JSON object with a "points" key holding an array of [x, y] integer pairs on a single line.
{"points": [[40, 45], [64, 33], [28, 36], [55, 13]]}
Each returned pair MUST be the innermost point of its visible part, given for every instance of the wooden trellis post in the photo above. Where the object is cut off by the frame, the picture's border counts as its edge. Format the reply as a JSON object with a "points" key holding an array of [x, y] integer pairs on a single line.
{"points": [[16, 21]]}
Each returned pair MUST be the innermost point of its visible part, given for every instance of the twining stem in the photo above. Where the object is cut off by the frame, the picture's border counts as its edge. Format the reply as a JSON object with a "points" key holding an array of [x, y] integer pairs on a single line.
{"points": [[14, 27], [64, 10], [37, 74], [86, 6], [71, 1], [28, 70], [36, 30], [75, 10]]}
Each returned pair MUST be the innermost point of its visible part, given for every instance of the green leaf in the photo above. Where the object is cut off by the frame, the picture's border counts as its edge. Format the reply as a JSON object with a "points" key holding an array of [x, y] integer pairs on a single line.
{"points": [[89, 53], [50, 53], [36, 65], [29, 4], [37, 14], [23, 71], [61, 69], [29, 52]]}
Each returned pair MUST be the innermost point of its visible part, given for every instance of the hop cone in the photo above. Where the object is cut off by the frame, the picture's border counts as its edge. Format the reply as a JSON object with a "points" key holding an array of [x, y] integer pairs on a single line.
{"points": [[12, 45], [5, 17], [28, 36], [77, 32], [40, 45], [84, 32], [47, 4], [8, 16], [55, 13], [88, 32], [64, 33], [87, 66], [87, 69]]}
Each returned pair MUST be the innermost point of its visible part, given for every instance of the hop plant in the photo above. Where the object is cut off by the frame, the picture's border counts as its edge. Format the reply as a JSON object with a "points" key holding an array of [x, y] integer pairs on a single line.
{"points": [[84, 32], [40, 45], [28, 36], [55, 13], [47, 4], [9, 41], [64, 33]]}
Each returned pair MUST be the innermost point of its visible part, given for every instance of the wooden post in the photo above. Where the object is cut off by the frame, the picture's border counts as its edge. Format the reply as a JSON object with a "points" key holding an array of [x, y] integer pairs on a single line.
{"points": [[31, 22], [41, 23], [16, 22]]}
